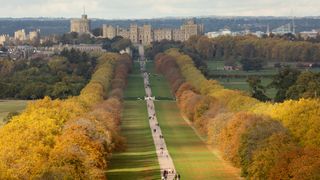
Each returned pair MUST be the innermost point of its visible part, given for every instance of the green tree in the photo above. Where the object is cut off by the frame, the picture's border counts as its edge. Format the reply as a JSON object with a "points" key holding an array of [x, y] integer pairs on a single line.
{"points": [[34, 90], [57, 64], [61, 90], [97, 32], [285, 78], [121, 45], [249, 64], [257, 90], [306, 86]]}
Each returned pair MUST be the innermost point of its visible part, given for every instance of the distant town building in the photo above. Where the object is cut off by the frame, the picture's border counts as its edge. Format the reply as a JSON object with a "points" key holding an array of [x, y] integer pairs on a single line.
{"points": [[259, 34], [80, 47], [309, 34], [225, 32], [146, 34], [190, 28], [228, 32], [109, 32], [161, 34], [221, 32], [4, 38], [20, 35], [34, 35], [284, 29], [81, 26], [52, 39], [122, 32]]}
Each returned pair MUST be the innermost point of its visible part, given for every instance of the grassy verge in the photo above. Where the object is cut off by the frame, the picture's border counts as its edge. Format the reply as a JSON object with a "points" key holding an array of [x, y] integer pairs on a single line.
{"points": [[160, 88], [7, 106], [139, 161], [241, 84], [135, 87], [192, 158]]}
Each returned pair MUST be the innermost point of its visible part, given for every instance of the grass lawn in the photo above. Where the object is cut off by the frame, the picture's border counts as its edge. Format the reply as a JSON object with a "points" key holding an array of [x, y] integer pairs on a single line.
{"points": [[215, 65], [150, 67], [7, 106], [135, 84], [139, 161], [191, 157], [241, 84], [159, 85]]}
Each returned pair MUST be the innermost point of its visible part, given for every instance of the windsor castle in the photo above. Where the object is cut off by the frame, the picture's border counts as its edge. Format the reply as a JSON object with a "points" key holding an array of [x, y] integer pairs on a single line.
{"points": [[141, 34], [146, 34]]}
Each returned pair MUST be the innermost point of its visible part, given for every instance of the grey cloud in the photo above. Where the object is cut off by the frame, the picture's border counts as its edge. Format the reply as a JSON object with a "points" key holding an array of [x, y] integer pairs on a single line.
{"points": [[157, 8]]}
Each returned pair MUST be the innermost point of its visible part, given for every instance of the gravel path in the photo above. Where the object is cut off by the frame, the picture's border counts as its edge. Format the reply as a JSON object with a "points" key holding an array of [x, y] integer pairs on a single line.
{"points": [[164, 158]]}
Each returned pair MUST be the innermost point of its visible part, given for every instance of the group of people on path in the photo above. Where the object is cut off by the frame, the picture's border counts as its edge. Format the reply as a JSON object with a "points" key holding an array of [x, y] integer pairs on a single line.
{"points": [[165, 161], [165, 174]]}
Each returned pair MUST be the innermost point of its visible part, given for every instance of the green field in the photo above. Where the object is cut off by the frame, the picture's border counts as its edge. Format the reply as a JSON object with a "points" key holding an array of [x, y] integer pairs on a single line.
{"points": [[135, 87], [7, 106], [237, 79], [191, 156], [240, 83], [139, 161], [158, 84], [216, 67], [150, 67]]}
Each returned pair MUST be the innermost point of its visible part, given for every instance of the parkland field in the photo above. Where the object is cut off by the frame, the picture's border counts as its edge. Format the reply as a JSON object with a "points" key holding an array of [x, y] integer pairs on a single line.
{"points": [[7, 106], [139, 160], [237, 79], [192, 157]]}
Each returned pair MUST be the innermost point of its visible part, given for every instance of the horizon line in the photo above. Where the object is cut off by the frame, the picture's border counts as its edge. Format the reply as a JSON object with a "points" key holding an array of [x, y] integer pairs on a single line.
{"points": [[164, 17]]}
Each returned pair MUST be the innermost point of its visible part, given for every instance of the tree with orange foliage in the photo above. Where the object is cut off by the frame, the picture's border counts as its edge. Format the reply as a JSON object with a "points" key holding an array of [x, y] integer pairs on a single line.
{"points": [[299, 163], [266, 156]]}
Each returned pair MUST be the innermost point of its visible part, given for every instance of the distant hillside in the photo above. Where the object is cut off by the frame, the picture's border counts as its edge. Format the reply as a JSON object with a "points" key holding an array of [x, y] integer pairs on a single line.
{"points": [[61, 25]]}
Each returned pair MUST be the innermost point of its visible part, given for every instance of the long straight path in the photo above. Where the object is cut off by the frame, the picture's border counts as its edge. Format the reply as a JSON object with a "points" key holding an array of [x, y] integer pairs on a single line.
{"points": [[139, 160], [192, 156], [165, 161]]}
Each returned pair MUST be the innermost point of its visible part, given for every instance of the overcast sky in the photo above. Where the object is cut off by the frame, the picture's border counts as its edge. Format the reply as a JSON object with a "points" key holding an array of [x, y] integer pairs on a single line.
{"points": [[127, 9]]}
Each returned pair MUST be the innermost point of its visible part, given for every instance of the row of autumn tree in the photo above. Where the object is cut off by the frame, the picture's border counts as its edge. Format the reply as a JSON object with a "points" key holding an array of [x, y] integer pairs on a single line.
{"points": [[71, 138], [265, 140], [251, 52], [251, 47]]}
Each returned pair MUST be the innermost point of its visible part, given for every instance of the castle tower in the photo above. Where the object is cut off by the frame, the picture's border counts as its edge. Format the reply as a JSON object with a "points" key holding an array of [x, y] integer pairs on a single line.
{"points": [[81, 26]]}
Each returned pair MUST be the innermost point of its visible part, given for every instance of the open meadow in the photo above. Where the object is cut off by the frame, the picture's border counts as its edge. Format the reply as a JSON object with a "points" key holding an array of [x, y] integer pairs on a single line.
{"points": [[192, 157], [139, 160], [7, 106]]}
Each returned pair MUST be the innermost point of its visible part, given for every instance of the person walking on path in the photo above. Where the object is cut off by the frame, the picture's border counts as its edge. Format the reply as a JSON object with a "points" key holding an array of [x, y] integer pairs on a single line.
{"points": [[165, 161]]}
